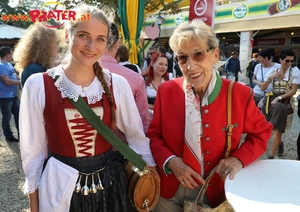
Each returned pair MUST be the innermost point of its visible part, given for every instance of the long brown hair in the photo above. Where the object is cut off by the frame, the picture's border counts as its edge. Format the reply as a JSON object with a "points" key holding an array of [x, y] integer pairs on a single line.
{"points": [[149, 74], [35, 47], [99, 73]]}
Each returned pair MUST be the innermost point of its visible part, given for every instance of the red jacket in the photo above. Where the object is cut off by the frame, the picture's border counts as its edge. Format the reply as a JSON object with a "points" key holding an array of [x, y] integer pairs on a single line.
{"points": [[166, 131]]}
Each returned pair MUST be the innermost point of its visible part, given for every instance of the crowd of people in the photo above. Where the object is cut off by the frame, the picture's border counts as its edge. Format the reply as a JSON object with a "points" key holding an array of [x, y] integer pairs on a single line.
{"points": [[166, 117]]}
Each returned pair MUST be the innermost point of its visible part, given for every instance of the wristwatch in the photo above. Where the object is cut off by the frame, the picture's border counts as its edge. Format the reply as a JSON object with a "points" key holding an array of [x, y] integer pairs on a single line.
{"points": [[279, 97]]}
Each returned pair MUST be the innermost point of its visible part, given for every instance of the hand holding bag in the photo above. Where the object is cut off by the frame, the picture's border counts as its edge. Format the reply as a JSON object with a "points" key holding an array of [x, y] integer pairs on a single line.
{"points": [[195, 206]]}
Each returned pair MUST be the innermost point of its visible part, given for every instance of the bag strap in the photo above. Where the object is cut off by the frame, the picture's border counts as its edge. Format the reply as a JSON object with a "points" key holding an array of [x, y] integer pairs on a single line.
{"points": [[229, 128], [107, 133]]}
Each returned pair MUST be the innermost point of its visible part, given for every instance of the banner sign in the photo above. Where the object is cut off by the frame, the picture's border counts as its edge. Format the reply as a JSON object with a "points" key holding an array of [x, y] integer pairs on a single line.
{"points": [[204, 10], [270, 42]]}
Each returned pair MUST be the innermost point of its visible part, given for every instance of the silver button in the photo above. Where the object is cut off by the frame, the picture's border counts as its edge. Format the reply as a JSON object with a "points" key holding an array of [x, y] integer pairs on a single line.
{"points": [[206, 125], [207, 139], [205, 111], [207, 163], [207, 152]]}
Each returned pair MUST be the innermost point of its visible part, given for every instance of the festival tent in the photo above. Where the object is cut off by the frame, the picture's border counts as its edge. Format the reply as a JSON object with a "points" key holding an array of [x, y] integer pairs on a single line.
{"points": [[9, 35]]}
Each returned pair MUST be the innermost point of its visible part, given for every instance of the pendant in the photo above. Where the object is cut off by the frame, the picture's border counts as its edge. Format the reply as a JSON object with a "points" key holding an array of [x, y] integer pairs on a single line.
{"points": [[93, 188], [85, 189]]}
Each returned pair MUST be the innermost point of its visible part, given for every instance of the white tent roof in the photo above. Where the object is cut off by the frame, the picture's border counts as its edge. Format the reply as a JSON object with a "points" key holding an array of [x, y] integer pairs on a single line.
{"points": [[11, 32]]}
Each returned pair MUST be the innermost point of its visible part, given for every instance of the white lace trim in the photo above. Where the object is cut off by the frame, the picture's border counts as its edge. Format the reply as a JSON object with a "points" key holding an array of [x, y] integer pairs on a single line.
{"points": [[31, 184], [149, 159], [93, 92]]}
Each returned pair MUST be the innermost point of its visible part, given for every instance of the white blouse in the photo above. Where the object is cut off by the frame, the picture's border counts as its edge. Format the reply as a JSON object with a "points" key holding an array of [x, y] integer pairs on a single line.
{"points": [[261, 76], [33, 137]]}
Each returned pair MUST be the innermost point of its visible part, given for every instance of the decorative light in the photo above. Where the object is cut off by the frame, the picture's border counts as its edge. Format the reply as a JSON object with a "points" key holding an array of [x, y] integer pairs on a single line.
{"points": [[160, 21]]}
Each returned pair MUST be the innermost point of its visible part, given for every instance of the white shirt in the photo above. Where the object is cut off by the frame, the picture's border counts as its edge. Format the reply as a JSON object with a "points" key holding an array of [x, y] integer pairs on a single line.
{"points": [[260, 73], [128, 63], [33, 143]]}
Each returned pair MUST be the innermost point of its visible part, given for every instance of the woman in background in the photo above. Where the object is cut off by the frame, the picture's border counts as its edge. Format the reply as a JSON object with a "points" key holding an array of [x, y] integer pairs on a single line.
{"points": [[36, 51], [285, 81], [122, 57], [260, 72], [155, 74]]}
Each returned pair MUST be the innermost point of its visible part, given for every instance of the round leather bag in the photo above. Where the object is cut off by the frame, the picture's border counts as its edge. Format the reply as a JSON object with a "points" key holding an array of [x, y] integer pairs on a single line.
{"points": [[143, 188]]}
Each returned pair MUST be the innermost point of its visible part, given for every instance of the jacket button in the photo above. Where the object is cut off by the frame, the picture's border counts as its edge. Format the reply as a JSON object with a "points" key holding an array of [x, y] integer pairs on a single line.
{"points": [[205, 111], [207, 139], [207, 163], [207, 152], [206, 125]]}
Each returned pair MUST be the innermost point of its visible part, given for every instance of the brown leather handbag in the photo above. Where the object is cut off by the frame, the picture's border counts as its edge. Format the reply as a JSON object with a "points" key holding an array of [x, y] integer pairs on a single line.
{"points": [[143, 184], [143, 187], [197, 205]]}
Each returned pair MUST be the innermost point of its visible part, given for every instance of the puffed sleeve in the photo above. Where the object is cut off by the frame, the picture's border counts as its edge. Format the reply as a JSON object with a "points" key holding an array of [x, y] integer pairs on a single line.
{"points": [[296, 76], [129, 120], [33, 142]]}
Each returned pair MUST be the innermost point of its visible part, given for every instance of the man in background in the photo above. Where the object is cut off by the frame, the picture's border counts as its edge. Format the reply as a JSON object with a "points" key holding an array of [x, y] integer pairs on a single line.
{"points": [[135, 80], [250, 68], [147, 60], [9, 101], [232, 66]]}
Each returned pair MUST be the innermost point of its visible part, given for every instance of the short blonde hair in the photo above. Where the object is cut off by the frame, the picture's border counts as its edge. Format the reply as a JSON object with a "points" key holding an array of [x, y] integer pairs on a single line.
{"points": [[194, 30]]}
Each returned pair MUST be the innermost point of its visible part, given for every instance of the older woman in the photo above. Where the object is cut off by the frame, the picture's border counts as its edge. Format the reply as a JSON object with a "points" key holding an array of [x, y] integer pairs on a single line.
{"points": [[285, 81], [187, 133]]}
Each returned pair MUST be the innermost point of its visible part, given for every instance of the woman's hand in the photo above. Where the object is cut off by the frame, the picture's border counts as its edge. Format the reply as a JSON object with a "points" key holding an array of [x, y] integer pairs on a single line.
{"points": [[230, 165], [185, 174], [34, 201], [154, 169], [274, 101], [273, 76]]}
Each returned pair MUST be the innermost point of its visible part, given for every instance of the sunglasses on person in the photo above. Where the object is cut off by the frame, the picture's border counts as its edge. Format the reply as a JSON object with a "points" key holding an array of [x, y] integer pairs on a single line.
{"points": [[151, 53], [288, 61], [196, 56]]}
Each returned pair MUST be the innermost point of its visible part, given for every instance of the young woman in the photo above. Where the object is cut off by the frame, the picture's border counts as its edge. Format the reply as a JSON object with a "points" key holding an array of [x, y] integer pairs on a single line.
{"points": [[36, 51], [154, 76], [82, 172]]}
